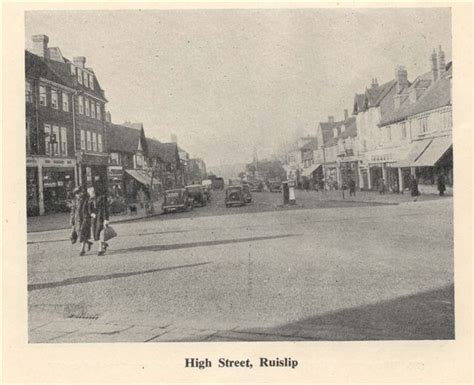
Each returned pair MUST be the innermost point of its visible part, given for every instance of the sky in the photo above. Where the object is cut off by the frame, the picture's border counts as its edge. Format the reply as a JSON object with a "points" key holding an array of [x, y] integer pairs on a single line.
{"points": [[228, 81]]}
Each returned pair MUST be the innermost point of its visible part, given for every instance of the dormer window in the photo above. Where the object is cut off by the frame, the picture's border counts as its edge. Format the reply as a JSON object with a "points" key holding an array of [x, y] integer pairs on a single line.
{"points": [[91, 81], [79, 76]]}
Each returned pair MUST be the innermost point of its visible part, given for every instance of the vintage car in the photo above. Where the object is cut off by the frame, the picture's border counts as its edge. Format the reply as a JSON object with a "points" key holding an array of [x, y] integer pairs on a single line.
{"points": [[247, 193], [235, 195], [274, 187], [256, 186], [177, 200], [207, 192], [196, 192]]}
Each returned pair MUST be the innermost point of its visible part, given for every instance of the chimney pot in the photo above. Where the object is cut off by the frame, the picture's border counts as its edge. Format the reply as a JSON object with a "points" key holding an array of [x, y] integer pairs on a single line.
{"points": [[402, 77], [79, 61], [40, 45], [441, 62]]}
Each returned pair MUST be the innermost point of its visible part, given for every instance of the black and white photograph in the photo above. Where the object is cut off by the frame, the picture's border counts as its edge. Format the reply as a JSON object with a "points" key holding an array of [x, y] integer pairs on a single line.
{"points": [[239, 175]]}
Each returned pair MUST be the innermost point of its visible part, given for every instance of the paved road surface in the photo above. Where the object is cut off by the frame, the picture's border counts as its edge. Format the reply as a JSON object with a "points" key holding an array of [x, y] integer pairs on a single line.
{"points": [[363, 272]]}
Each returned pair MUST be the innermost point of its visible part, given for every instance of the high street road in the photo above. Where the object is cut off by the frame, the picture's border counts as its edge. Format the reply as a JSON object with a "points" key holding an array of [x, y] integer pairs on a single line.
{"points": [[329, 270]]}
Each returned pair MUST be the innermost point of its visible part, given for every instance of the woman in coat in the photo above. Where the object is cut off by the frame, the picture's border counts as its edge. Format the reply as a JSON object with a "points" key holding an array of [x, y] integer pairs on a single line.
{"points": [[80, 218], [99, 209]]}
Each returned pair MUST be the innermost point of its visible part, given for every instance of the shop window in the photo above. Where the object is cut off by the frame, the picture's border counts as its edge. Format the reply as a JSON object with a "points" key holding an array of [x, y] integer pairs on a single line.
{"points": [[83, 140], [115, 159], [28, 92], [54, 99], [99, 143], [63, 141], [42, 95], [65, 102], [425, 175]]}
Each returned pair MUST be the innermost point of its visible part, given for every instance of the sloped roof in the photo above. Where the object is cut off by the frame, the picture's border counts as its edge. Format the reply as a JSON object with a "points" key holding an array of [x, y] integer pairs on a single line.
{"points": [[372, 97], [167, 152], [37, 67], [312, 145], [436, 96], [122, 139], [350, 128]]}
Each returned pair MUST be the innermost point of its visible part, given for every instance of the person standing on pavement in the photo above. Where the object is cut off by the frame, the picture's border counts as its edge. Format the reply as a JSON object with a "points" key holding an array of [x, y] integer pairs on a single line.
{"points": [[80, 218], [99, 209], [381, 186], [441, 185], [352, 187], [414, 186]]}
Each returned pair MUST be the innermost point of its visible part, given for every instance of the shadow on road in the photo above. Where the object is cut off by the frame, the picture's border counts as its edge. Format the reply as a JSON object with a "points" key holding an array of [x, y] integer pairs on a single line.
{"points": [[423, 316], [196, 244], [94, 278]]}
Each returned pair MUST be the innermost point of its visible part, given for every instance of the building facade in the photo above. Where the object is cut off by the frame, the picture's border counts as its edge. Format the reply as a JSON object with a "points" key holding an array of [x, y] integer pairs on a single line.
{"points": [[65, 128]]}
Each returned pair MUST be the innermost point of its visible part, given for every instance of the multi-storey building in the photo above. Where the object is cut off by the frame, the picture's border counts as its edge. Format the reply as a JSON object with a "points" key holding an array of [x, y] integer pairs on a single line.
{"points": [[65, 131], [420, 129], [165, 161]]}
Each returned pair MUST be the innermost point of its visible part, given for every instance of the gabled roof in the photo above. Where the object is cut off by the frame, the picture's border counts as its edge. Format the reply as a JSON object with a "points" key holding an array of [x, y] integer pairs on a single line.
{"points": [[312, 145], [372, 97], [167, 152], [436, 96], [122, 139]]}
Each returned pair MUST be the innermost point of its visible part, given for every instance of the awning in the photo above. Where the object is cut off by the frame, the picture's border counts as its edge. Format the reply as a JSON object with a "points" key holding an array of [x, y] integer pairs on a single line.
{"points": [[416, 149], [434, 152], [308, 171], [142, 177]]}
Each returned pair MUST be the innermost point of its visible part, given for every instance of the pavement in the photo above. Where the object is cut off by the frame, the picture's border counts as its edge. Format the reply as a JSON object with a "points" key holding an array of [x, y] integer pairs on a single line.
{"points": [[329, 270]]}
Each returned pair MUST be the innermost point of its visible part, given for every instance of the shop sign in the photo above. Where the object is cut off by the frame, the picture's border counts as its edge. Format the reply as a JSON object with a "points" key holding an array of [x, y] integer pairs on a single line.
{"points": [[50, 184]]}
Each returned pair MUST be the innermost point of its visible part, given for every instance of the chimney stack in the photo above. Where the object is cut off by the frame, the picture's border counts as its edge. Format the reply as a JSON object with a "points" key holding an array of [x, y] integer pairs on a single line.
{"points": [[330, 119], [40, 46], [346, 114], [434, 65], [79, 61], [375, 83], [401, 75], [441, 62]]}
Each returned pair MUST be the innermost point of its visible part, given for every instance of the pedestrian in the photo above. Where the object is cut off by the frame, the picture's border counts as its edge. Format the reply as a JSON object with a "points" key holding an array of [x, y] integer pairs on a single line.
{"points": [[441, 185], [99, 209], [381, 186], [352, 187], [80, 218], [414, 186]]}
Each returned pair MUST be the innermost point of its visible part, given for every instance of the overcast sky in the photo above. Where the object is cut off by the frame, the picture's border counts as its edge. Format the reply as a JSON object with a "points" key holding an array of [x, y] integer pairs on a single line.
{"points": [[225, 81]]}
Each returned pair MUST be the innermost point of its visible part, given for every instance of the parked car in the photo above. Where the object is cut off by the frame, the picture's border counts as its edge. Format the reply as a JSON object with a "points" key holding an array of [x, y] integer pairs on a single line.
{"points": [[256, 186], [234, 195], [275, 187], [218, 183], [196, 191], [207, 192], [247, 193], [177, 200]]}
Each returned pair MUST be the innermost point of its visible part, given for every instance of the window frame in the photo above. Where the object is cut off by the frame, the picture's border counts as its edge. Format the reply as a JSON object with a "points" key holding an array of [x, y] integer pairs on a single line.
{"points": [[94, 141], [63, 132], [80, 102], [65, 100], [92, 108], [28, 91], [56, 149], [47, 139], [43, 99], [83, 139], [100, 147], [87, 109], [88, 141], [54, 99]]}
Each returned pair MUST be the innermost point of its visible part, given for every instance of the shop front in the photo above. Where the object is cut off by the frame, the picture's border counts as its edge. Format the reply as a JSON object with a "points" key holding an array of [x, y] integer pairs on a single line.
{"points": [[349, 170], [58, 184], [93, 171]]}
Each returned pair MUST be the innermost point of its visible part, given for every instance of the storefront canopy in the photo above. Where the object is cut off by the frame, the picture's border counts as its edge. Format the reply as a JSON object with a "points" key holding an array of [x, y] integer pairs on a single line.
{"points": [[437, 148], [308, 171], [142, 177], [426, 152], [416, 149]]}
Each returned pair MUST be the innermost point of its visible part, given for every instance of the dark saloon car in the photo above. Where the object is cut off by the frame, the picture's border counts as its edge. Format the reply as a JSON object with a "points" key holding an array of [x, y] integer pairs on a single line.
{"points": [[197, 193], [177, 200], [235, 195]]}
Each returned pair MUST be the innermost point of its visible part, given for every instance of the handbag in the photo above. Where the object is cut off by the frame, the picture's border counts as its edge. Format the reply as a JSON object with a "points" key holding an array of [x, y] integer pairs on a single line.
{"points": [[109, 233], [73, 236]]}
